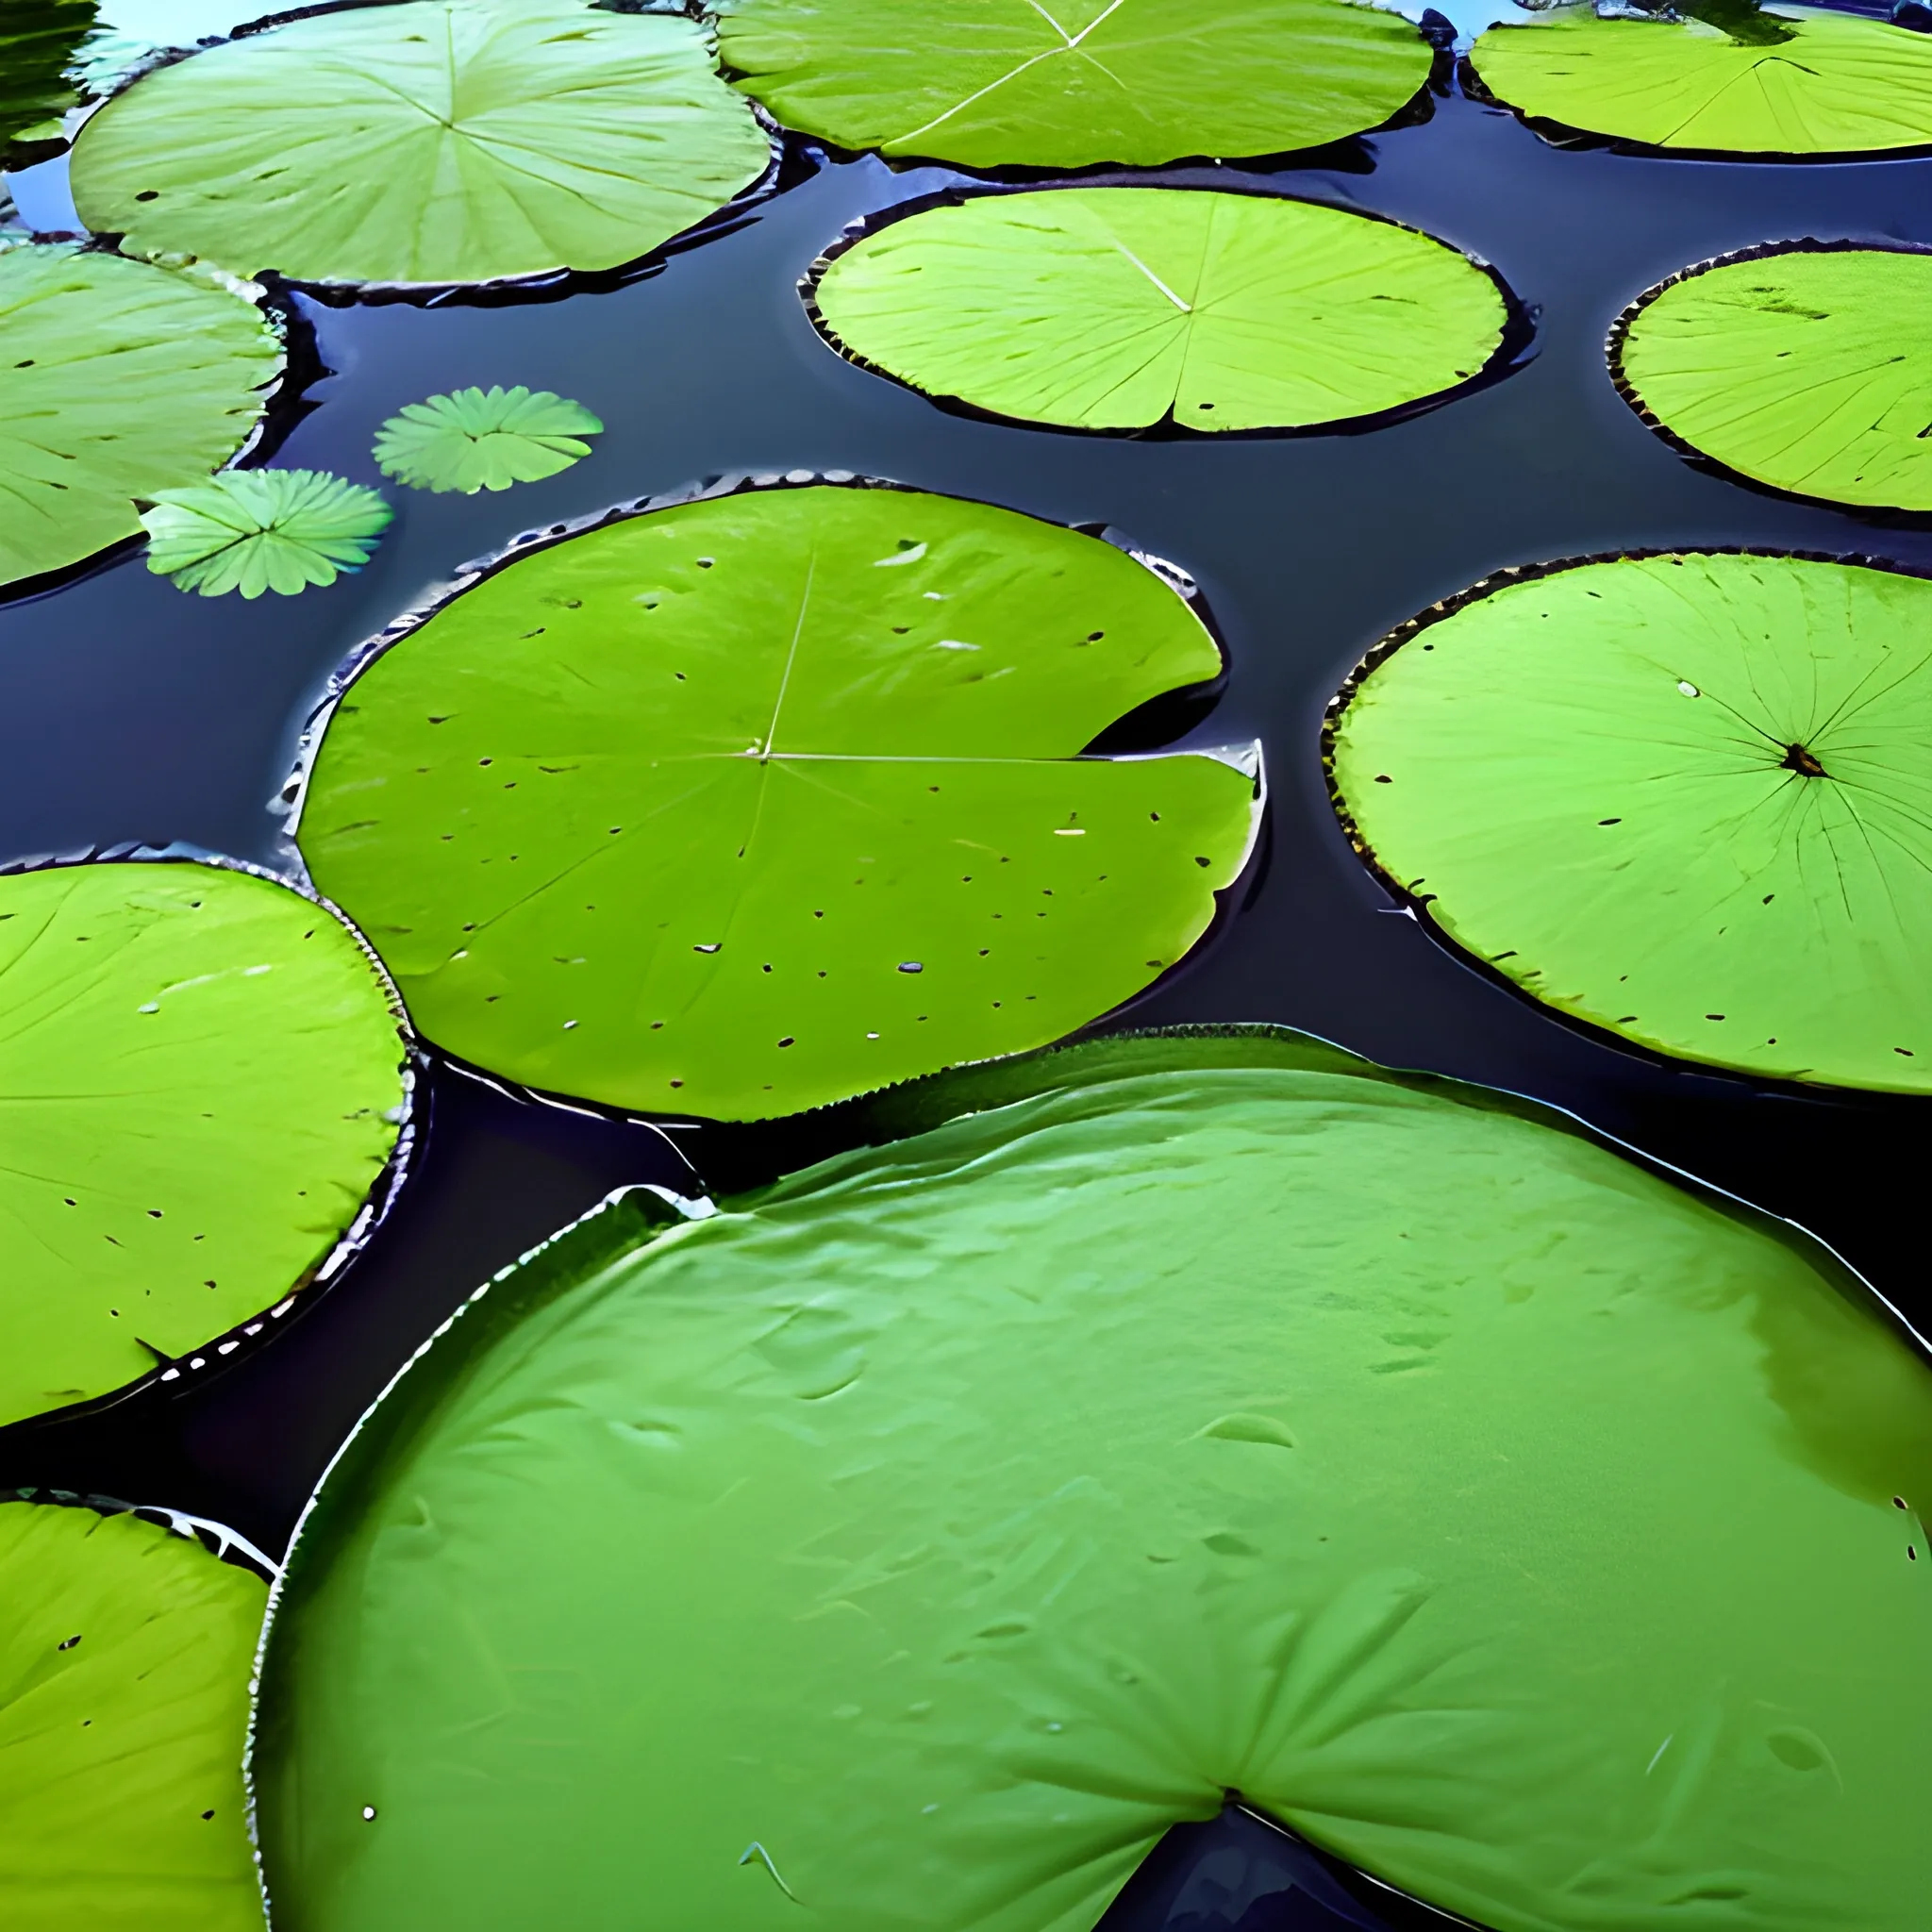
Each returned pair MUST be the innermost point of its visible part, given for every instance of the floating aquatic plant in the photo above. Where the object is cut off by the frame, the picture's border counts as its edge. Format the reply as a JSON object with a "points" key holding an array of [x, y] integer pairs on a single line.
{"points": [[1173, 1415], [1120, 307], [125, 1654], [1806, 367], [117, 381], [762, 800], [1061, 83], [1828, 83], [256, 530], [484, 438], [439, 141], [37, 40], [1685, 798], [204, 1080]]}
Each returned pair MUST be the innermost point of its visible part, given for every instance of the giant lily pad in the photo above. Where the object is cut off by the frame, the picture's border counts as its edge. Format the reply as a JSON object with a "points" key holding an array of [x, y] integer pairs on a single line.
{"points": [[117, 381], [1685, 798], [762, 800], [1836, 84], [125, 1651], [1807, 368], [915, 1540], [37, 40], [201, 1082], [512, 140], [1061, 83], [1120, 307]]}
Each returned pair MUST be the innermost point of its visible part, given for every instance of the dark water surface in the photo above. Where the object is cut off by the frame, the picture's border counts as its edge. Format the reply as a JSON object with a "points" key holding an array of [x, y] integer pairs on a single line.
{"points": [[131, 712]]}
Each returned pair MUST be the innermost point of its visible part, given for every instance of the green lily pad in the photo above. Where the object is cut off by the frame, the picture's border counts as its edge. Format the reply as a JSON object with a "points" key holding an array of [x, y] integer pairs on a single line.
{"points": [[256, 530], [484, 440], [202, 1079], [125, 1654], [117, 381], [1061, 83], [1122, 308], [771, 798], [1838, 84], [946, 1521], [513, 142], [1685, 798], [37, 40], [1805, 367]]}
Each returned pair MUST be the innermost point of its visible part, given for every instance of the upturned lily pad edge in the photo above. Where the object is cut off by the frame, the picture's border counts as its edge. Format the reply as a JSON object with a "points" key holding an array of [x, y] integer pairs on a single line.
{"points": [[545, 285], [1246, 757], [1572, 140], [240, 1340], [1883, 516], [1417, 906], [1515, 348]]}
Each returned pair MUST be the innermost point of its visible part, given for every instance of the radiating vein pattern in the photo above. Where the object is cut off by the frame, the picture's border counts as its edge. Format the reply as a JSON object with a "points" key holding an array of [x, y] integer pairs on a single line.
{"points": [[1124, 307], [1685, 798], [771, 798]]}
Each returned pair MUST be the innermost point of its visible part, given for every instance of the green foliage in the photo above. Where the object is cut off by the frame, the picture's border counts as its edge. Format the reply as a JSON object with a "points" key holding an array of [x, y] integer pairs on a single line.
{"points": [[37, 40], [1833, 83], [993, 82], [440, 141], [203, 1075], [484, 438], [117, 381], [125, 1654], [1684, 798], [1809, 369], [768, 799], [1120, 307], [256, 530], [946, 1521]]}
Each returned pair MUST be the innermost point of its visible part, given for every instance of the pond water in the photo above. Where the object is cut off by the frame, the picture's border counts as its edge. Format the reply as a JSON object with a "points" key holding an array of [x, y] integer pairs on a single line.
{"points": [[130, 713]]}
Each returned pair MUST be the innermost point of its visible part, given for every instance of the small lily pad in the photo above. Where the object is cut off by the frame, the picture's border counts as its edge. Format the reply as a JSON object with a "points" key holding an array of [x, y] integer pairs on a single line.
{"points": [[1122, 307], [762, 800], [201, 1080], [1683, 798], [126, 1655], [1834, 83], [438, 141], [944, 1523], [256, 530], [1808, 368], [1062, 83], [484, 438], [118, 381]]}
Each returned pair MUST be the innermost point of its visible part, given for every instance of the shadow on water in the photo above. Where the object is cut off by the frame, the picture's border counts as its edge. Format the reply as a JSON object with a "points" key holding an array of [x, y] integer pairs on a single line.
{"points": [[133, 714]]}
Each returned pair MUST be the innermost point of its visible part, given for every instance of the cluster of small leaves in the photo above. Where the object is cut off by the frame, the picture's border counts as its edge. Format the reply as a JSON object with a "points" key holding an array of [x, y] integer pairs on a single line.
{"points": [[484, 438], [256, 530]]}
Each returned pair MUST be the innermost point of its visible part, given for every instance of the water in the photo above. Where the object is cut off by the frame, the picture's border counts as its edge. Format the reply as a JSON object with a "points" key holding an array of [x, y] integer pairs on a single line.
{"points": [[133, 714]]}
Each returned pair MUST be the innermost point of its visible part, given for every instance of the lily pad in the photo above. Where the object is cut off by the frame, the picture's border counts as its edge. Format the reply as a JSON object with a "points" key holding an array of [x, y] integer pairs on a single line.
{"points": [[1185, 1414], [1838, 84], [484, 438], [117, 381], [125, 1654], [37, 40], [1804, 367], [1061, 83], [202, 1079], [256, 530], [767, 799], [1122, 308], [1685, 797], [441, 141]]}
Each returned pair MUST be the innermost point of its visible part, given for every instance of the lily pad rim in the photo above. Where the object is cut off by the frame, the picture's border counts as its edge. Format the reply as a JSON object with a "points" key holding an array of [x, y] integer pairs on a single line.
{"points": [[1417, 907], [1573, 139], [213, 1536], [1515, 348], [239, 1340], [280, 407], [1882, 516], [545, 285], [1247, 758]]}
